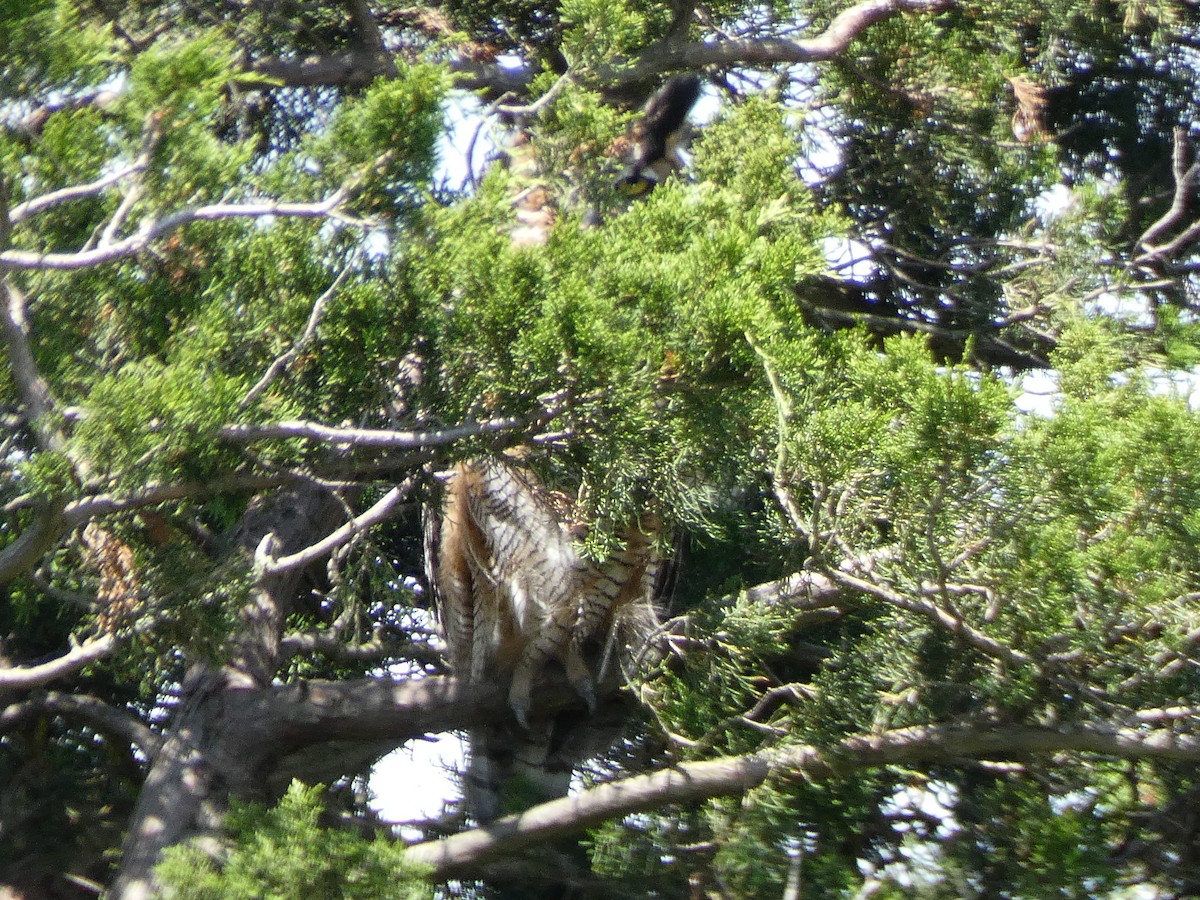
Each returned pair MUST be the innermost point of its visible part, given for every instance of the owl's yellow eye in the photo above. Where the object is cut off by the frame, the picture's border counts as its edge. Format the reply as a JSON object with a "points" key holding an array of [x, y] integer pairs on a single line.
{"points": [[656, 137]]}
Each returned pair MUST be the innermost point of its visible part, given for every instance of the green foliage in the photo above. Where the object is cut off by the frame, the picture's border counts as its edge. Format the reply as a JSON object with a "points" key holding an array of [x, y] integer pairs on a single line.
{"points": [[723, 675], [48, 475], [1088, 359], [577, 126], [177, 89], [385, 139], [152, 417], [641, 320], [751, 152], [598, 31], [51, 42], [1034, 847], [282, 853], [996, 568]]}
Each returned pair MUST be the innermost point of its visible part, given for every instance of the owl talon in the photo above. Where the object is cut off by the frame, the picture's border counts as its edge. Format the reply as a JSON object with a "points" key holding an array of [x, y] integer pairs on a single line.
{"points": [[519, 704], [587, 690]]}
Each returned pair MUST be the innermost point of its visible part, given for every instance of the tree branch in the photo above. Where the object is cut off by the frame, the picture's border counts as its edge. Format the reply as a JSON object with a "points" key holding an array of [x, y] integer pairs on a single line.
{"points": [[32, 207], [366, 29], [154, 228], [89, 710], [1185, 180], [281, 522], [938, 616], [25, 677], [379, 512], [79, 511], [367, 437], [379, 647], [23, 554], [463, 855], [734, 52], [31, 387], [306, 337], [362, 66], [314, 712]]}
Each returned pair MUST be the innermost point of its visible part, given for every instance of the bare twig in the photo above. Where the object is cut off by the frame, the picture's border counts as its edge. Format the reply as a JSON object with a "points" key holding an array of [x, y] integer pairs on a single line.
{"points": [[379, 512], [366, 437], [543, 101], [937, 615], [306, 337]]}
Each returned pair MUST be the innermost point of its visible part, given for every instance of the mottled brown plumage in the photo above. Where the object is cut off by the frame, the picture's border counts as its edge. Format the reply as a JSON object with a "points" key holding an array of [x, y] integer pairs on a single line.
{"points": [[521, 605]]}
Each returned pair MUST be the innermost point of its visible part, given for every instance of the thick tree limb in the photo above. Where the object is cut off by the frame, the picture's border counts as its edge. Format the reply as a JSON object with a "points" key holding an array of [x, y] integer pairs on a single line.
{"points": [[356, 69], [1185, 180], [278, 524], [32, 388], [730, 53], [182, 794], [464, 855], [360, 68], [227, 739], [370, 37], [35, 541], [372, 708]]}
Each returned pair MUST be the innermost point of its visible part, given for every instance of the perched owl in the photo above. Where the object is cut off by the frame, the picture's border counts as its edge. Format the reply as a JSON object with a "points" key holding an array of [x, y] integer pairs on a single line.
{"points": [[520, 605]]}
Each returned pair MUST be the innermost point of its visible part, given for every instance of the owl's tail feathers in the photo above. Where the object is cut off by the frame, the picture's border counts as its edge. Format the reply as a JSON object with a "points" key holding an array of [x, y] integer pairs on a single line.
{"points": [[511, 768]]}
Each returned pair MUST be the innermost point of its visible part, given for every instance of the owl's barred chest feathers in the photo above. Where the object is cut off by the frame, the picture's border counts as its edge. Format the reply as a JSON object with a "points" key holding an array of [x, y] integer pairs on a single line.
{"points": [[521, 606], [515, 590]]}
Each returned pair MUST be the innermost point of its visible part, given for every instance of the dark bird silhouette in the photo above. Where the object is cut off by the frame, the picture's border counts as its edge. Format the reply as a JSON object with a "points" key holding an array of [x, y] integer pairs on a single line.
{"points": [[656, 137]]}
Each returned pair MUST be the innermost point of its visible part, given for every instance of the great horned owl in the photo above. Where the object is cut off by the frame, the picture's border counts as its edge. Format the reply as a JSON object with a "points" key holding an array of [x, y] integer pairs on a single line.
{"points": [[516, 597]]}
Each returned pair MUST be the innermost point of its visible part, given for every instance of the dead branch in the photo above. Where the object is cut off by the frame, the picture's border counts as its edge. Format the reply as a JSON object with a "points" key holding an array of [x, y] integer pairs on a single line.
{"points": [[155, 227], [379, 512]]}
